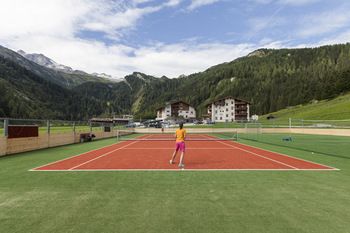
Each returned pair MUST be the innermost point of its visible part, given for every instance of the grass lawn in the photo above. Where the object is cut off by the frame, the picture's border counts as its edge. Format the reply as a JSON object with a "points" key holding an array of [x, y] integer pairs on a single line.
{"points": [[220, 201], [332, 109]]}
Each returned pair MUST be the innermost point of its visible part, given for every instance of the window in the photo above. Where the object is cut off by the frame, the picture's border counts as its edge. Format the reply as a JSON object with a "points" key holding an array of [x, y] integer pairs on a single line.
{"points": [[220, 118], [232, 108], [231, 102], [226, 109], [226, 115], [226, 104], [231, 113], [216, 118]]}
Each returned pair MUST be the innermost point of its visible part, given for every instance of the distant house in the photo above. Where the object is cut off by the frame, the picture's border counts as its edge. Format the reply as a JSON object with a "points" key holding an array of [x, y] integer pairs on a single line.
{"points": [[176, 109], [229, 109]]}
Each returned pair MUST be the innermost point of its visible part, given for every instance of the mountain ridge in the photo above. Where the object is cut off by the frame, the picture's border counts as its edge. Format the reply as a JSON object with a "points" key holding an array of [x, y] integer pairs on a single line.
{"points": [[271, 79]]}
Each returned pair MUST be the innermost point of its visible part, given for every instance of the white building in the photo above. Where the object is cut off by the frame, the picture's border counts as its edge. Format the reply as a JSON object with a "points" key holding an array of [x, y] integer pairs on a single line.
{"points": [[175, 110], [229, 109]]}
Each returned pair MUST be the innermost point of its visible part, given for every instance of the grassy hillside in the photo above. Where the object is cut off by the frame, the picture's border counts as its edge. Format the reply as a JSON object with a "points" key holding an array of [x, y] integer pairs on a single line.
{"points": [[332, 109]]}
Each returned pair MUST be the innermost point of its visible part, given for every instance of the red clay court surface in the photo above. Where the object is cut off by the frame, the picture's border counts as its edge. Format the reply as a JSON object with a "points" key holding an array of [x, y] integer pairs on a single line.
{"points": [[200, 155]]}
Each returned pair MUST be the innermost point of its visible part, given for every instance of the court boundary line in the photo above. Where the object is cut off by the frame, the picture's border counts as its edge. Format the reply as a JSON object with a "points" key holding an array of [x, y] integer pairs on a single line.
{"points": [[61, 160], [289, 156], [329, 168], [179, 170], [250, 152], [103, 155], [172, 148]]}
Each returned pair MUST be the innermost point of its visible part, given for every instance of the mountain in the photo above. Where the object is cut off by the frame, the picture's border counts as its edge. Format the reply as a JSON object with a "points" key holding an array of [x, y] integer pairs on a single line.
{"points": [[270, 79], [64, 79], [47, 62], [42, 60], [24, 94]]}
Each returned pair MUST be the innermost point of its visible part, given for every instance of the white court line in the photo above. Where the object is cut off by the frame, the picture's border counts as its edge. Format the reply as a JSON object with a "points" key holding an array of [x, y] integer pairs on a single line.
{"points": [[304, 160], [230, 147], [178, 170], [103, 155], [75, 156], [250, 152], [172, 148], [288, 156]]}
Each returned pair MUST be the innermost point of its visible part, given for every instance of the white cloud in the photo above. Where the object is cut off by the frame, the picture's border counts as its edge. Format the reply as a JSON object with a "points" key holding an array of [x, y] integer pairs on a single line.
{"points": [[171, 60], [341, 38], [297, 2], [323, 23], [52, 28], [199, 3], [287, 2]]}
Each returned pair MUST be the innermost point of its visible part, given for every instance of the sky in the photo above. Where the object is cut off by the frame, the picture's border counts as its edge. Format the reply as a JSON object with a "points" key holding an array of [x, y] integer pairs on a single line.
{"points": [[166, 37]]}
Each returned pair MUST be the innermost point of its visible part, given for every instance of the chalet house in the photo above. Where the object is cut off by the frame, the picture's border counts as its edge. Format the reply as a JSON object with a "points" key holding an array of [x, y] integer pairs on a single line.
{"points": [[228, 109]]}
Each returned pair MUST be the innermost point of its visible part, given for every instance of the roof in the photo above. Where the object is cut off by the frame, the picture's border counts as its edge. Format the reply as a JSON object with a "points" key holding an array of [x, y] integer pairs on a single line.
{"points": [[102, 120], [227, 97], [173, 102]]}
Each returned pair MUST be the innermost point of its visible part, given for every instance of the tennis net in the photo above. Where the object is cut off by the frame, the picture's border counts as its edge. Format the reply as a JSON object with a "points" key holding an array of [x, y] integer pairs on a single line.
{"points": [[131, 135]]}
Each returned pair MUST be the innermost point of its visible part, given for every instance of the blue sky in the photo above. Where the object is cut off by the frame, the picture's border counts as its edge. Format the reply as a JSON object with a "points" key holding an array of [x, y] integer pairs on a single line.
{"points": [[166, 37]]}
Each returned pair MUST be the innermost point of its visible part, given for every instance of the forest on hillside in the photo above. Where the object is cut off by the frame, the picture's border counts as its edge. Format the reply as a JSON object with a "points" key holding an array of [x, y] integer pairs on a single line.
{"points": [[269, 79]]}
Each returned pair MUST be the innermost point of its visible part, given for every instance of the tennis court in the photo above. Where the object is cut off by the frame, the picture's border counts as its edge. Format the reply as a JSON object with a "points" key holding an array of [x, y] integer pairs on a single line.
{"points": [[204, 151]]}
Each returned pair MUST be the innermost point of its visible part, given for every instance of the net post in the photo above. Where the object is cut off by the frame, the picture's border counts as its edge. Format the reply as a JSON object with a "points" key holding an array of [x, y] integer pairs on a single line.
{"points": [[73, 126]]}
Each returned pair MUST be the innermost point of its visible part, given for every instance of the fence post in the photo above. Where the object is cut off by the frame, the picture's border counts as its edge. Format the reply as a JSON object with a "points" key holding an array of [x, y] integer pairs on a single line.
{"points": [[6, 128], [48, 127], [290, 123]]}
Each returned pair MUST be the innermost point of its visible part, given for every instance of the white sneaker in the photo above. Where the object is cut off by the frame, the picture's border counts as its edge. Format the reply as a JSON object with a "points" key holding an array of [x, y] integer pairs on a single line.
{"points": [[181, 165], [170, 161]]}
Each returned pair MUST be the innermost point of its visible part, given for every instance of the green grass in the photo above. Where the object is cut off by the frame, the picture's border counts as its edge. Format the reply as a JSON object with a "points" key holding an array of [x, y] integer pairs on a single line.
{"points": [[333, 109], [325, 111], [222, 201], [337, 146]]}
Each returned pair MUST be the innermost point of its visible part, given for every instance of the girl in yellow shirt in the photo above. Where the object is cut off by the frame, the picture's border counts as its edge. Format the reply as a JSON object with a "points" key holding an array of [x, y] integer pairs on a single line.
{"points": [[180, 136]]}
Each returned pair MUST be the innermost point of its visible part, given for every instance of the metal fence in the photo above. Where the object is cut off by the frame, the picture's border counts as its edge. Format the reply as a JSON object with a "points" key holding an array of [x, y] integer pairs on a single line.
{"points": [[282, 132], [51, 133]]}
